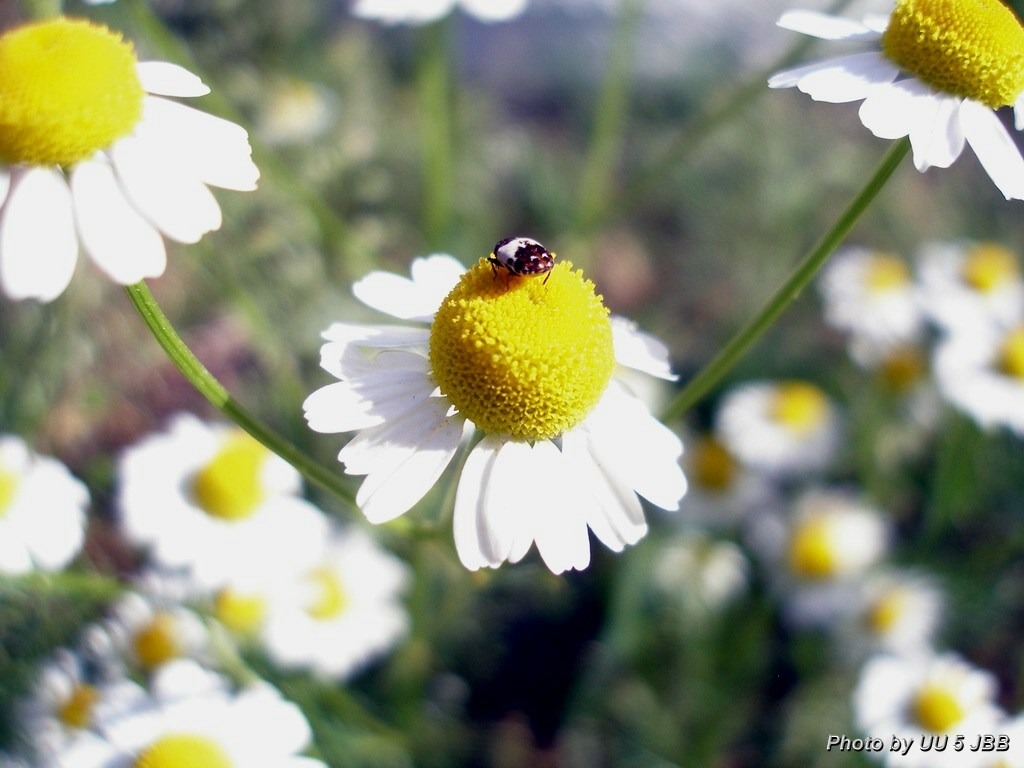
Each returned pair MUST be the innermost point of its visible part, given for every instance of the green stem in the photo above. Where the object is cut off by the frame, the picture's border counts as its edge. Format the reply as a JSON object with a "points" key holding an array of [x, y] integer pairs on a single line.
{"points": [[210, 388], [436, 104], [713, 372]]}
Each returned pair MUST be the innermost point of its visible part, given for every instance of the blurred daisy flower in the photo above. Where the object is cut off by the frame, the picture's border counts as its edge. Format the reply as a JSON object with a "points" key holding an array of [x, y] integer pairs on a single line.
{"points": [[872, 296], [529, 363], [964, 285], [193, 717], [701, 574], [721, 490], [426, 11], [982, 373], [897, 612], [42, 510], [779, 427], [926, 695], [937, 73], [91, 153], [210, 498]]}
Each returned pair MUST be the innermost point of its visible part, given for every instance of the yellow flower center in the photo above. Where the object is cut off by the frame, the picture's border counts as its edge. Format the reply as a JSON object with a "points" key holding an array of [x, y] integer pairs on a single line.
{"points": [[886, 273], [886, 611], [229, 487], [812, 550], [902, 369], [68, 88], [240, 612], [9, 483], [989, 266], [183, 750], [972, 49], [711, 465], [1011, 356], [76, 711], [329, 597], [157, 642], [800, 406], [936, 708], [526, 357]]}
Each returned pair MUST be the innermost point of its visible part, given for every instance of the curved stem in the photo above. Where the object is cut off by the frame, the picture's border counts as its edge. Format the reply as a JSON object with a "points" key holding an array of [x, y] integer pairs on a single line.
{"points": [[713, 372], [210, 388]]}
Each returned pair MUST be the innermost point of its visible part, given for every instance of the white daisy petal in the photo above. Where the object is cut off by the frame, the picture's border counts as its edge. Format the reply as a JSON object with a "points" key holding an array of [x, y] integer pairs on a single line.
{"points": [[118, 239], [483, 533], [996, 151], [173, 200], [341, 335], [937, 138], [640, 351], [825, 27], [1018, 112], [169, 79], [494, 10], [5, 184], [433, 278], [38, 245], [890, 112], [839, 80]]}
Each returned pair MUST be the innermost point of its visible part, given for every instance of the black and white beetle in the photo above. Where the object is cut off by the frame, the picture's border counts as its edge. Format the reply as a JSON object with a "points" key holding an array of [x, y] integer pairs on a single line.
{"points": [[522, 256]]}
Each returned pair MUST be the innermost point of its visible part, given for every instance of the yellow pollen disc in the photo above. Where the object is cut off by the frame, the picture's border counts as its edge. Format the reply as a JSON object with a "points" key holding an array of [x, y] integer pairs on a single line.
{"points": [[902, 368], [886, 611], [1011, 356], [240, 612], [711, 465], [973, 49], [157, 642], [801, 407], [68, 88], [9, 483], [329, 599], [77, 710], [989, 266], [229, 487], [183, 750], [936, 708], [886, 273], [812, 550], [527, 357]]}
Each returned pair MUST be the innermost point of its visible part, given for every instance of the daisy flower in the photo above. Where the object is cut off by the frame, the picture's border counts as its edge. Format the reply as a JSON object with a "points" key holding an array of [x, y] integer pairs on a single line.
{"points": [[982, 373], [721, 490], [42, 510], [210, 498], [779, 427], [937, 72], [527, 363], [92, 153], [896, 612], [193, 717], [426, 11], [926, 696], [699, 573], [967, 284], [871, 295]]}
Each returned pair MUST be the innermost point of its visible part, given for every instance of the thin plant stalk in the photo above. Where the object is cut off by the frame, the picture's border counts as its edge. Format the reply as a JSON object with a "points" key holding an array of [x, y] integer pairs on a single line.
{"points": [[435, 93]]}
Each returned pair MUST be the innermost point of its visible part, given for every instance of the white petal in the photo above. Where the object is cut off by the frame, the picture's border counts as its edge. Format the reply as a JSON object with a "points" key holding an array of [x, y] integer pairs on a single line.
{"points": [[14, 556], [38, 245], [996, 150], [341, 335], [640, 351], [433, 278], [839, 80], [173, 200], [1018, 112], [494, 10], [401, 11], [402, 459], [118, 239], [937, 138], [214, 150], [5, 184], [825, 27], [483, 526], [169, 79]]}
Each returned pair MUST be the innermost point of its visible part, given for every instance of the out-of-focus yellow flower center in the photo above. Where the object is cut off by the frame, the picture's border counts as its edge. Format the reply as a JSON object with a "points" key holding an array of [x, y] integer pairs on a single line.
{"points": [[183, 750], [1011, 356], [812, 549], [902, 368], [711, 465], [886, 273], [68, 88], [229, 487], [329, 597], [76, 711], [157, 642], [886, 611], [973, 49], [240, 612], [800, 406], [989, 266], [527, 357], [936, 708], [9, 483]]}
